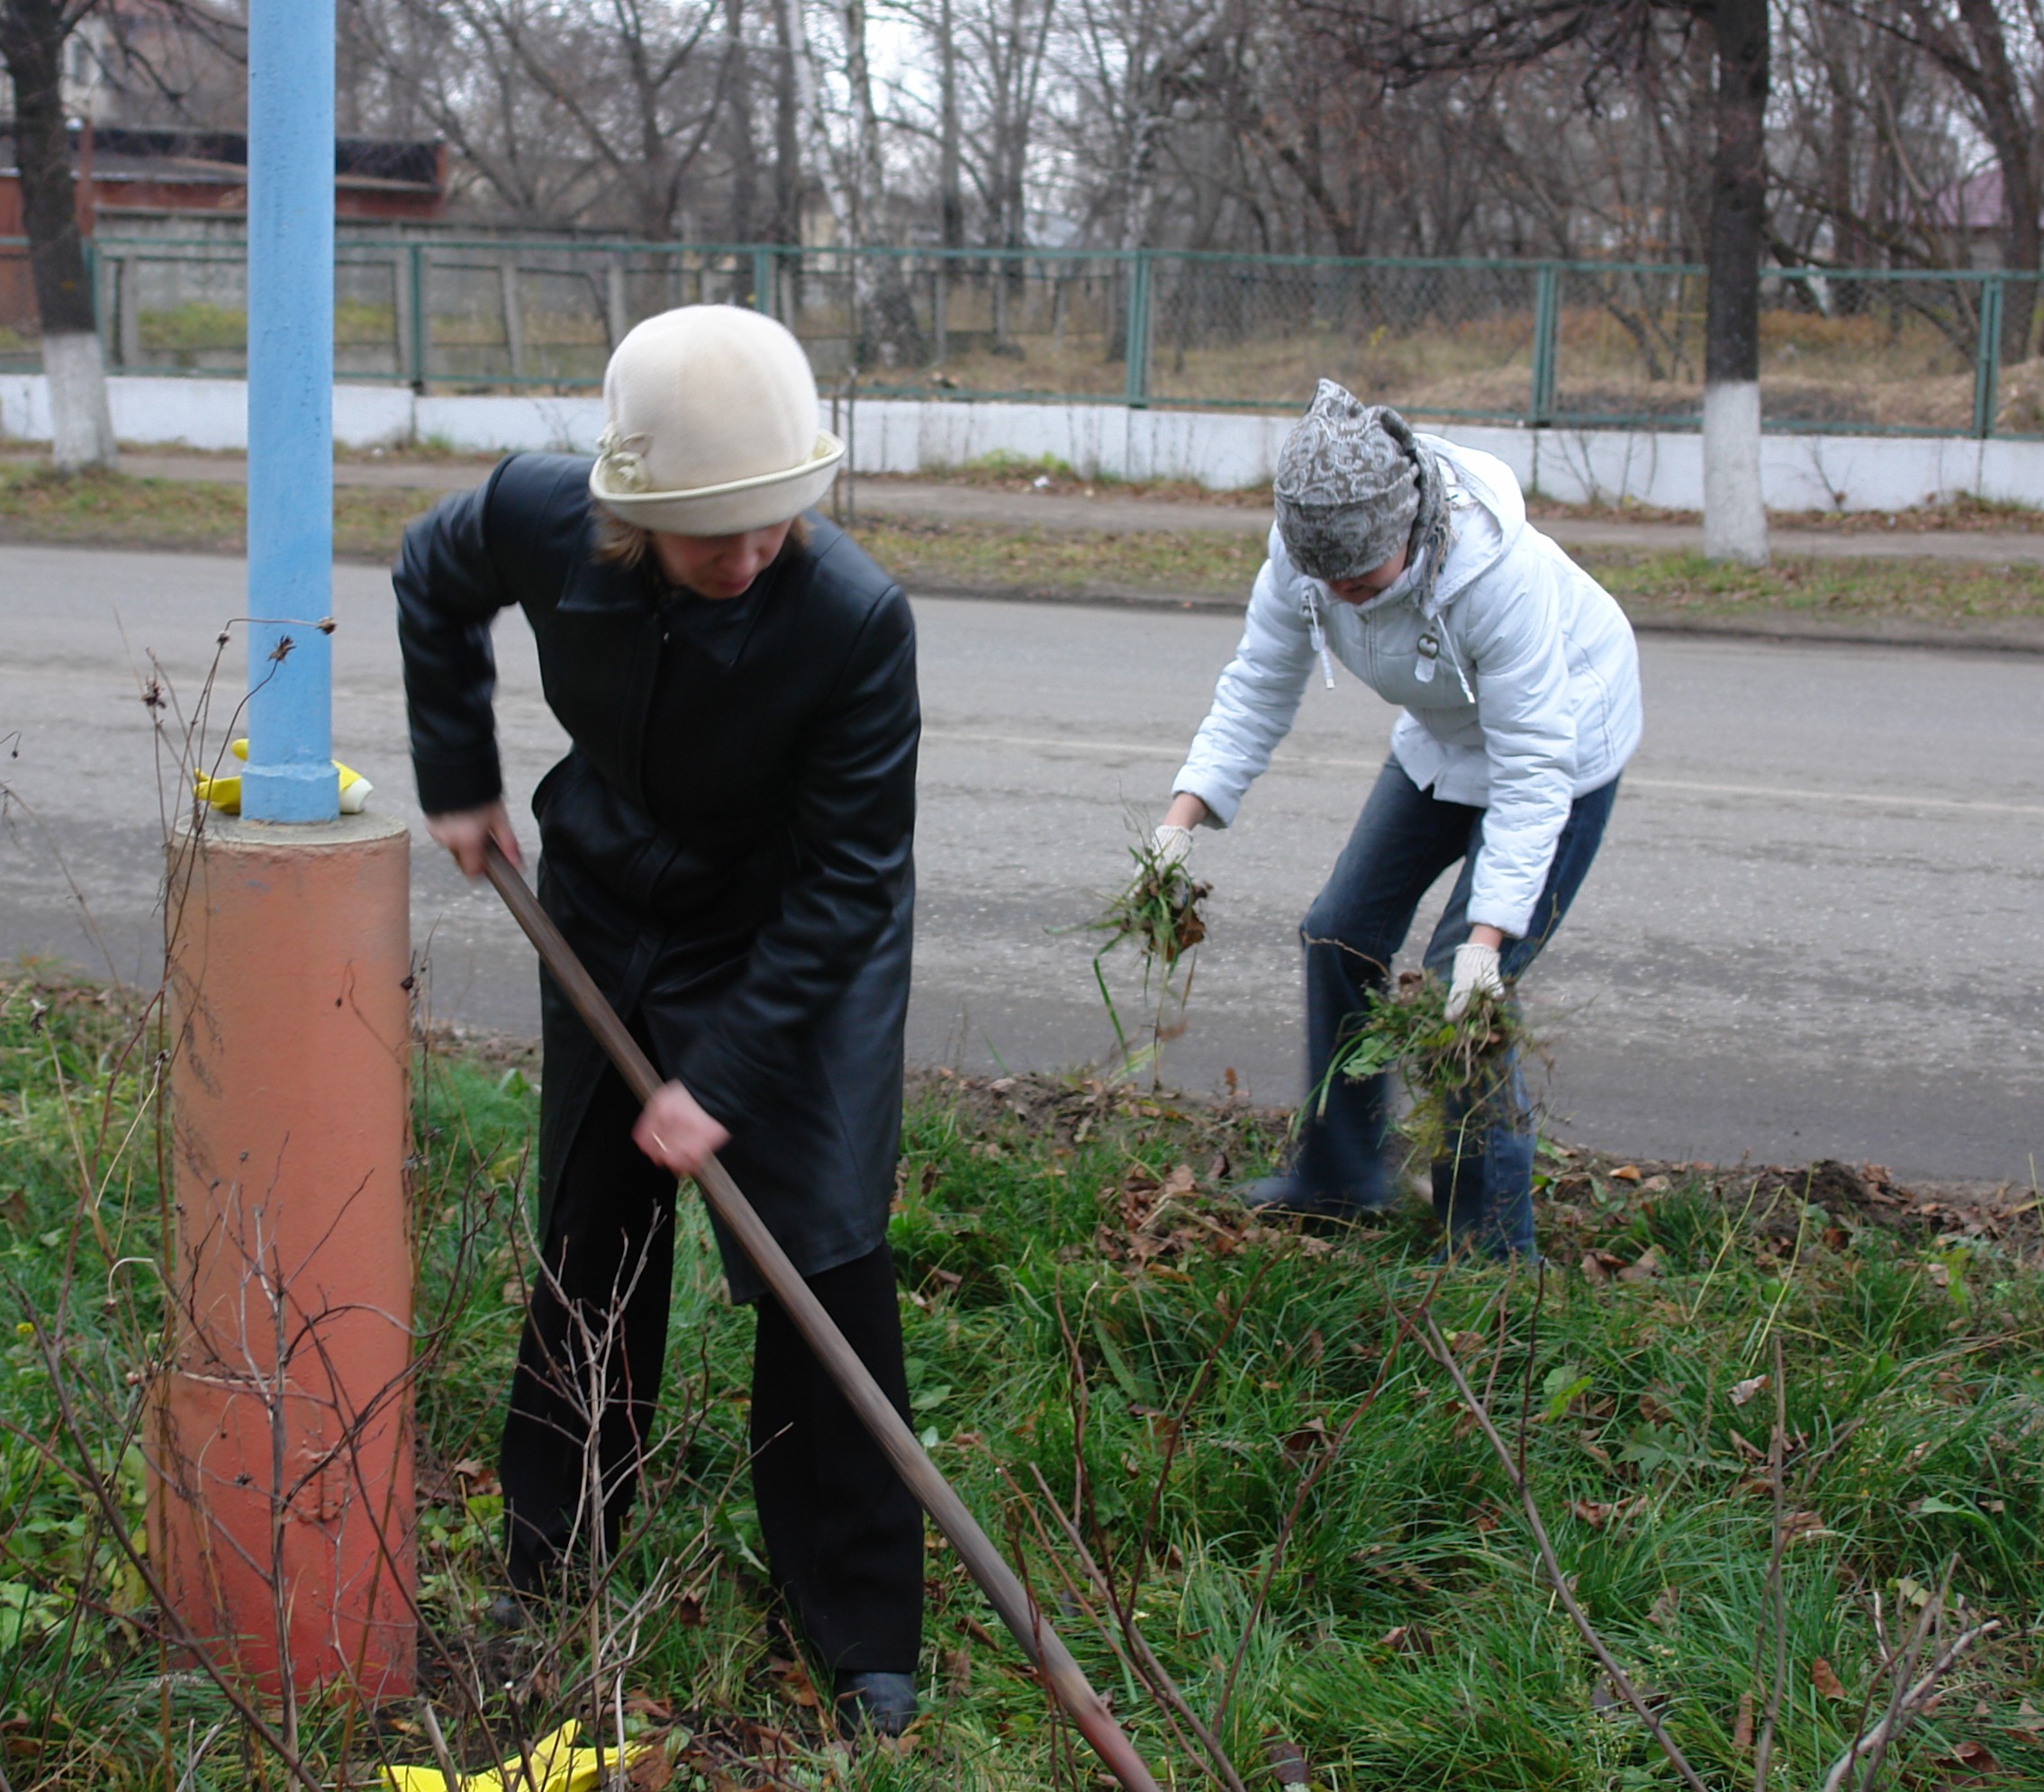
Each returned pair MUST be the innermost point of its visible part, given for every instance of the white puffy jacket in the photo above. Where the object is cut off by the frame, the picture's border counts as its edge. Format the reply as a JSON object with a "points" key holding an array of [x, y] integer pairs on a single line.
{"points": [[1520, 682]]}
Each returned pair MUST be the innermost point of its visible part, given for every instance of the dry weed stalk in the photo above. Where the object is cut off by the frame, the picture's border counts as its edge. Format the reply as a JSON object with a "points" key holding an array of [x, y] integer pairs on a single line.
{"points": [[1438, 1348], [1906, 1697]]}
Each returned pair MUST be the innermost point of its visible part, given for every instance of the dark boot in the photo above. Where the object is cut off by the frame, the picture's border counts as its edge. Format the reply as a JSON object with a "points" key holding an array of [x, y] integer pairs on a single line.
{"points": [[883, 1703]]}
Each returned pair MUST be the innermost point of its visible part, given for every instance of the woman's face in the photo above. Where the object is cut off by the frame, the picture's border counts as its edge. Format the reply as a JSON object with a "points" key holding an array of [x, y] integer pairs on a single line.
{"points": [[720, 566], [1377, 580]]}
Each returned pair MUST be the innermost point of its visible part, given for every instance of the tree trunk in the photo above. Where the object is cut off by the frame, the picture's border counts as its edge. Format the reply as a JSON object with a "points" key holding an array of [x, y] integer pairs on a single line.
{"points": [[1999, 95], [737, 118], [951, 196], [787, 228], [1735, 518], [33, 34], [887, 311]]}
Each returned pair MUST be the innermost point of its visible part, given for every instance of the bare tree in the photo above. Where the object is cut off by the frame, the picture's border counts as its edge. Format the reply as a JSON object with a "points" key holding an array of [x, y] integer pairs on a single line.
{"points": [[1990, 50], [1418, 40], [563, 113], [33, 35]]}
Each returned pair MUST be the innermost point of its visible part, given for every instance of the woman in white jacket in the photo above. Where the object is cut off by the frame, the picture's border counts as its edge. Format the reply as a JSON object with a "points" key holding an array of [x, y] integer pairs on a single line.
{"points": [[1411, 561]]}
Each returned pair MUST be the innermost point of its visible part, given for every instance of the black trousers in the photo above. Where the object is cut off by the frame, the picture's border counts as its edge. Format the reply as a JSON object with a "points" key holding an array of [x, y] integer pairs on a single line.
{"points": [[843, 1537]]}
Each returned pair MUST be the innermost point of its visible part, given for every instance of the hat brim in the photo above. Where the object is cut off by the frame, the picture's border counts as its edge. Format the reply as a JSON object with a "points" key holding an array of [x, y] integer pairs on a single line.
{"points": [[758, 503]]}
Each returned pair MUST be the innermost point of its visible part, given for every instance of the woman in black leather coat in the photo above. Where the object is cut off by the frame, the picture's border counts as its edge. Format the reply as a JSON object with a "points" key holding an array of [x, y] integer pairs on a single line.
{"points": [[727, 847]]}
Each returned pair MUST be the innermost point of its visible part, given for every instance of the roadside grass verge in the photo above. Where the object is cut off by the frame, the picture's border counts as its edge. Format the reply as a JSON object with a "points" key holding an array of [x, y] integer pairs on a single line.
{"points": [[192, 516], [986, 555], [1023, 559], [1286, 1495]]}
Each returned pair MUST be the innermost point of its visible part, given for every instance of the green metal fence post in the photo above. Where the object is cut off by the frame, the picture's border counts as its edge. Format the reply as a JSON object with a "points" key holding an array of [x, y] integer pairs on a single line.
{"points": [[415, 283], [1136, 390], [762, 281], [1987, 359], [1546, 329]]}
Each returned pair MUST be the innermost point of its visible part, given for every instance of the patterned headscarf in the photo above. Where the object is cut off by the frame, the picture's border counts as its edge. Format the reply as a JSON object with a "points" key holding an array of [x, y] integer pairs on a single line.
{"points": [[1354, 484]]}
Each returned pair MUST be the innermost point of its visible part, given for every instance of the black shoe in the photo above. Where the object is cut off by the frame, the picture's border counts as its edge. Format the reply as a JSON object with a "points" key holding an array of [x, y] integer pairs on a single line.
{"points": [[884, 1703], [1281, 1197]]}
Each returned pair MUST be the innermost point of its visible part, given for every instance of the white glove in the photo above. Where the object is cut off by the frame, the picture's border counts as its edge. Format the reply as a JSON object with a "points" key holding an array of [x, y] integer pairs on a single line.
{"points": [[1173, 846], [1476, 974]]}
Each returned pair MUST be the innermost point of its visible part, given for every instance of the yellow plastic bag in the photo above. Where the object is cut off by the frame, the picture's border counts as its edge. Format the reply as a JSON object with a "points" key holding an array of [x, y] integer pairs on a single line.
{"points": [[558, 1765], [225, 793]]}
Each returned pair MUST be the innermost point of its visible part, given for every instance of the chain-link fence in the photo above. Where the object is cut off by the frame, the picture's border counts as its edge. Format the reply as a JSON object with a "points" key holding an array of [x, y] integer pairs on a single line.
{"points": [[1554, 342]]}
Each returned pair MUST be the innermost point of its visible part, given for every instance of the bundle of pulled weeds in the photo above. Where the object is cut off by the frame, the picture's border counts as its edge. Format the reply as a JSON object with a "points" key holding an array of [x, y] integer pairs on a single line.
{"points": [[1450, 1069], [1158, 909]]}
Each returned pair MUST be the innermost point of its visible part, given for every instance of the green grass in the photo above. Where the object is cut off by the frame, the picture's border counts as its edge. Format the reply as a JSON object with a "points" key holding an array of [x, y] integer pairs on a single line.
{"points": [[37, 504], [1082, 1303], [1649, 585], [99, 509], [1928, 590]]}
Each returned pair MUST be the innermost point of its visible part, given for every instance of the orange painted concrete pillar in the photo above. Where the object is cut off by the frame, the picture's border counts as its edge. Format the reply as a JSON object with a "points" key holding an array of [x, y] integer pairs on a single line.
{"points": [[281, 1497]]}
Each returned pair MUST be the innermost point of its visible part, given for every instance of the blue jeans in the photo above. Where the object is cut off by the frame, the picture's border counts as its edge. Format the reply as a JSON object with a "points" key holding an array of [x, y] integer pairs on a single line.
{"points": [[1349, 1150]]}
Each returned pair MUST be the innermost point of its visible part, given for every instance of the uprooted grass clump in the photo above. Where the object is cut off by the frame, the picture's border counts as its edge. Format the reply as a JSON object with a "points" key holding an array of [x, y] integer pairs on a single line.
{"points": [[1450, 1069], [1281, 1488], [1157, 912]]}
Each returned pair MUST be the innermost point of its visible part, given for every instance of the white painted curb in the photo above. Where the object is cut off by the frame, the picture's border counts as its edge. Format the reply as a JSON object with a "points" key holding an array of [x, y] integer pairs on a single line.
{"points": [[1218, 450]]}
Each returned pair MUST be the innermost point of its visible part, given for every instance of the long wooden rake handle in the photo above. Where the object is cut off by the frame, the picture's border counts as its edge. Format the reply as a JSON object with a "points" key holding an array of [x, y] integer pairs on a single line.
{"points": [[1039, 1641]]}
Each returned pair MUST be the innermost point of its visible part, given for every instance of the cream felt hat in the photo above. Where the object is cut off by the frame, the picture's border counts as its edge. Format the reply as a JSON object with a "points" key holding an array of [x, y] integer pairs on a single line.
{"points": [[711, 425]]}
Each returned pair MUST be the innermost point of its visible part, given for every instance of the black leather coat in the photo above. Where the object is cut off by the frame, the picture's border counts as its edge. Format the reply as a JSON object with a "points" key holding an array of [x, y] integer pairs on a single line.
{"points": [[727, 846]]}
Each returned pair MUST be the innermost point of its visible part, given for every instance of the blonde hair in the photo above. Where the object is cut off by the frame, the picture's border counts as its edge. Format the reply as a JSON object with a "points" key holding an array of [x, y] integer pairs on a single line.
{"points": [[625, 545]]}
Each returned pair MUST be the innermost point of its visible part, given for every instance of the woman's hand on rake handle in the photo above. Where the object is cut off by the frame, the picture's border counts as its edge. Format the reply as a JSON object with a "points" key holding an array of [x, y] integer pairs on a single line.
{"points": [[675, 1132]]}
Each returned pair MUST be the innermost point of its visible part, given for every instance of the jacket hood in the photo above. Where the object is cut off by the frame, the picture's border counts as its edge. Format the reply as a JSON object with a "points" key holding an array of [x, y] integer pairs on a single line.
{"points": [[1488, 514]]}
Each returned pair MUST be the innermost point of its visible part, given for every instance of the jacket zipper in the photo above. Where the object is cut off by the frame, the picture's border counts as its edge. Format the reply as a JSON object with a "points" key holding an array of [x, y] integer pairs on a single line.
{"points": [[1318, 635]]}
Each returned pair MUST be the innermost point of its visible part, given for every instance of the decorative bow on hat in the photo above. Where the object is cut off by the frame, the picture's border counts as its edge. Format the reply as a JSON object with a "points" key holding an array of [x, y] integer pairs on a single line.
{"points": [[558, 1766], [225, 793]]}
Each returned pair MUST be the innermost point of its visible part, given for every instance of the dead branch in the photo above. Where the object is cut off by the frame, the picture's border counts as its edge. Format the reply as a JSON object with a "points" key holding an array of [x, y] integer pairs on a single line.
{"points": [[1437, 1347], [1152, 1671], [1875, 1741], [1777, 1606]]}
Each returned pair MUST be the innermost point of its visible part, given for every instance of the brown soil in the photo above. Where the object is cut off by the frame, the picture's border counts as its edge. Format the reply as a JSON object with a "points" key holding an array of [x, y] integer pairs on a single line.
{"points": [[1819, 1203]]}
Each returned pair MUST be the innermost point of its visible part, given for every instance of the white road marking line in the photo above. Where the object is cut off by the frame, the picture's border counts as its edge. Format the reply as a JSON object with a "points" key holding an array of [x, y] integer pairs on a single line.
{"points": [[1145, 749]]}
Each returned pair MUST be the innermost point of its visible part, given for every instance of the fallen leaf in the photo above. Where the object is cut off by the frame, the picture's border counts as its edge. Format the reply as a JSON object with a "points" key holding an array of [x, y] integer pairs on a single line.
{"points": [[794, 1681], [1827, 1683], [1594, 1271], [1626, 1172], [1407, 1639], [1306, 1440], [1742, 1725], [1287, 1763], [1743, 1391], [1663, 1613], [1645, 1270], [650, 1770], [1973, 1757]]}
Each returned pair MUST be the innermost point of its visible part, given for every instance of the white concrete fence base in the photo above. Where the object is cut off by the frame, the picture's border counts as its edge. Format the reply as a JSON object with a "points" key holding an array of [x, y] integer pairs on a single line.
{"points": [[1218, 449]]}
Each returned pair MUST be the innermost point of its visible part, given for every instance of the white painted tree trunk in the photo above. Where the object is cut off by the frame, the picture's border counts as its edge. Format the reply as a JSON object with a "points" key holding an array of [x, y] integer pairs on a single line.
{"points": [[80, 422], [1735, 516]]}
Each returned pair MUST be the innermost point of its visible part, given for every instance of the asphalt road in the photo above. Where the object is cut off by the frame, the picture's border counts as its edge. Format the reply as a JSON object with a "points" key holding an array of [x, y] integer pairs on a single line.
{"points": [[1815, 930]]}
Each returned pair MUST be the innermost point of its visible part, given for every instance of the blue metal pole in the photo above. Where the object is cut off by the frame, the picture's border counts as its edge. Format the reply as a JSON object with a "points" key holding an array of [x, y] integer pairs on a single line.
{"points": [[290, 775]]}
